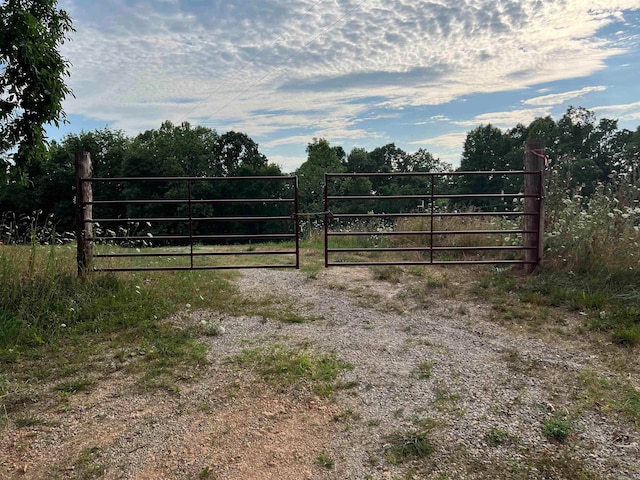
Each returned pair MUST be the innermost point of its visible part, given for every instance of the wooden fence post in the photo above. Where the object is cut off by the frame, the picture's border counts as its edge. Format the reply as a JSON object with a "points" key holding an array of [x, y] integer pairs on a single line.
{"points": [[84, 212], [534, 161]]}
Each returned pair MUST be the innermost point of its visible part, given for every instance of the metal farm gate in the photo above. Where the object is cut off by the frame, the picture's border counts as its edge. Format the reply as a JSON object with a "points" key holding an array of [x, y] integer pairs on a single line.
{"points": [[186, 219], [435, 226]]}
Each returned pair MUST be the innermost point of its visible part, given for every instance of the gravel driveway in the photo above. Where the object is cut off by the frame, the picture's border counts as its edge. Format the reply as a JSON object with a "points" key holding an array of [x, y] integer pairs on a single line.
{"points": [[435, 371]]}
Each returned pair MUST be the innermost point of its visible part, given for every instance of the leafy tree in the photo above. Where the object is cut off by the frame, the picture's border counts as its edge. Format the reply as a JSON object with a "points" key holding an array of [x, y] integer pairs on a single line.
{"points": [[107, 149], [321, 158], [589, 151], [238, 155], [51, 178], [173, 150], [387, 158], [546, 129], [423, 161], [170, 151], [359, 161], [485, 149], [32, 85], [632, 157]]}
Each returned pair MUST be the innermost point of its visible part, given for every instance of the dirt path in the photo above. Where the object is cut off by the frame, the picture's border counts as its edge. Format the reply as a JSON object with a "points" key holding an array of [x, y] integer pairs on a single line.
{"points": [[439, 376]]}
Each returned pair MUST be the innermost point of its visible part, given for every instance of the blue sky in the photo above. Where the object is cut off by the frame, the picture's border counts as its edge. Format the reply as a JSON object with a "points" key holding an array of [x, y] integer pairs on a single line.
{"points": [[360, 73]]}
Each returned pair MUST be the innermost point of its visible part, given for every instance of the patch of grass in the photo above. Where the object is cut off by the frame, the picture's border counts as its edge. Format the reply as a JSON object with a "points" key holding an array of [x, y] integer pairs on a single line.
{"points": [[87, 465], [557, 428], [498, 436], [347, 417], [425, 423], [55, 326], [610, 299], [387, 273], [312, 269], [518, 363], [424, 370], [611, 395], [559, 466], [416, 271], [31, 422], [623, 321], [500, 281], [325, 461], [8, 356], [437, 282], [295, 367], [273, 308], [403, 446], [75, 386], [445, 401]]}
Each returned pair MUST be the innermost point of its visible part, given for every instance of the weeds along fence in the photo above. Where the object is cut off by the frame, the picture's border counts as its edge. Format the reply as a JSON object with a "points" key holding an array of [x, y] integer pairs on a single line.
{"points": [[432, 222], [193, 223]]}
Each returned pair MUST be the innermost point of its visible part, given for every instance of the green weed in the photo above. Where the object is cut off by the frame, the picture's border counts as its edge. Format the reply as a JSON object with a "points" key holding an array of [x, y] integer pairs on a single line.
{"points": [[424, 370], [75, 386], [403, 446], [498, 436], [325, 461], [87, 464], [387, 273], [205, 473], [295, 367], [557, 428]]}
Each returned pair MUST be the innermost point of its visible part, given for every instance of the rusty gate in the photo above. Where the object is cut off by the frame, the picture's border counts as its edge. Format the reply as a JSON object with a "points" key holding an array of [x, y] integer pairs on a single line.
{"points": [[440, 226], [187, 220]]}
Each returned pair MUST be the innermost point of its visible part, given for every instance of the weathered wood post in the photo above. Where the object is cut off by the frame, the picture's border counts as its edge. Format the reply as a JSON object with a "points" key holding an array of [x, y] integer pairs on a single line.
{"points": [[534, 161], [84, 212]]}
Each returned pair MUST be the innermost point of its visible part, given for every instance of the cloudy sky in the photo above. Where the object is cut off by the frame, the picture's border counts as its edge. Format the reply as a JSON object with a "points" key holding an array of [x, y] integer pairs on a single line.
{"points": [[357, 72]]}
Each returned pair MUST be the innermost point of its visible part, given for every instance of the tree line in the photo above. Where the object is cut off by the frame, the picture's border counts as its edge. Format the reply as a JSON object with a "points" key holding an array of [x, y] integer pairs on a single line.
{"points": [[170, 151], [581, 150]]}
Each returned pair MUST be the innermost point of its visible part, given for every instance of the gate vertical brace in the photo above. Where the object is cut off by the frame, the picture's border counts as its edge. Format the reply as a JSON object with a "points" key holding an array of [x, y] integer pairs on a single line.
{"points": [[433, 211], [541, 212], [534, 204], [296, 219], [190, 222], [84, 212], [326, 221]]}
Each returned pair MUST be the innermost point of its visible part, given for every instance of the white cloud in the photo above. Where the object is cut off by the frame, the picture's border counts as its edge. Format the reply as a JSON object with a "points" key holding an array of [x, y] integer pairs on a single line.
{"points": [[293, 140], [288, 164], [448, 141], [446, 147], [267, 67], [560, 98], [624, 113], [508, 119]]}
